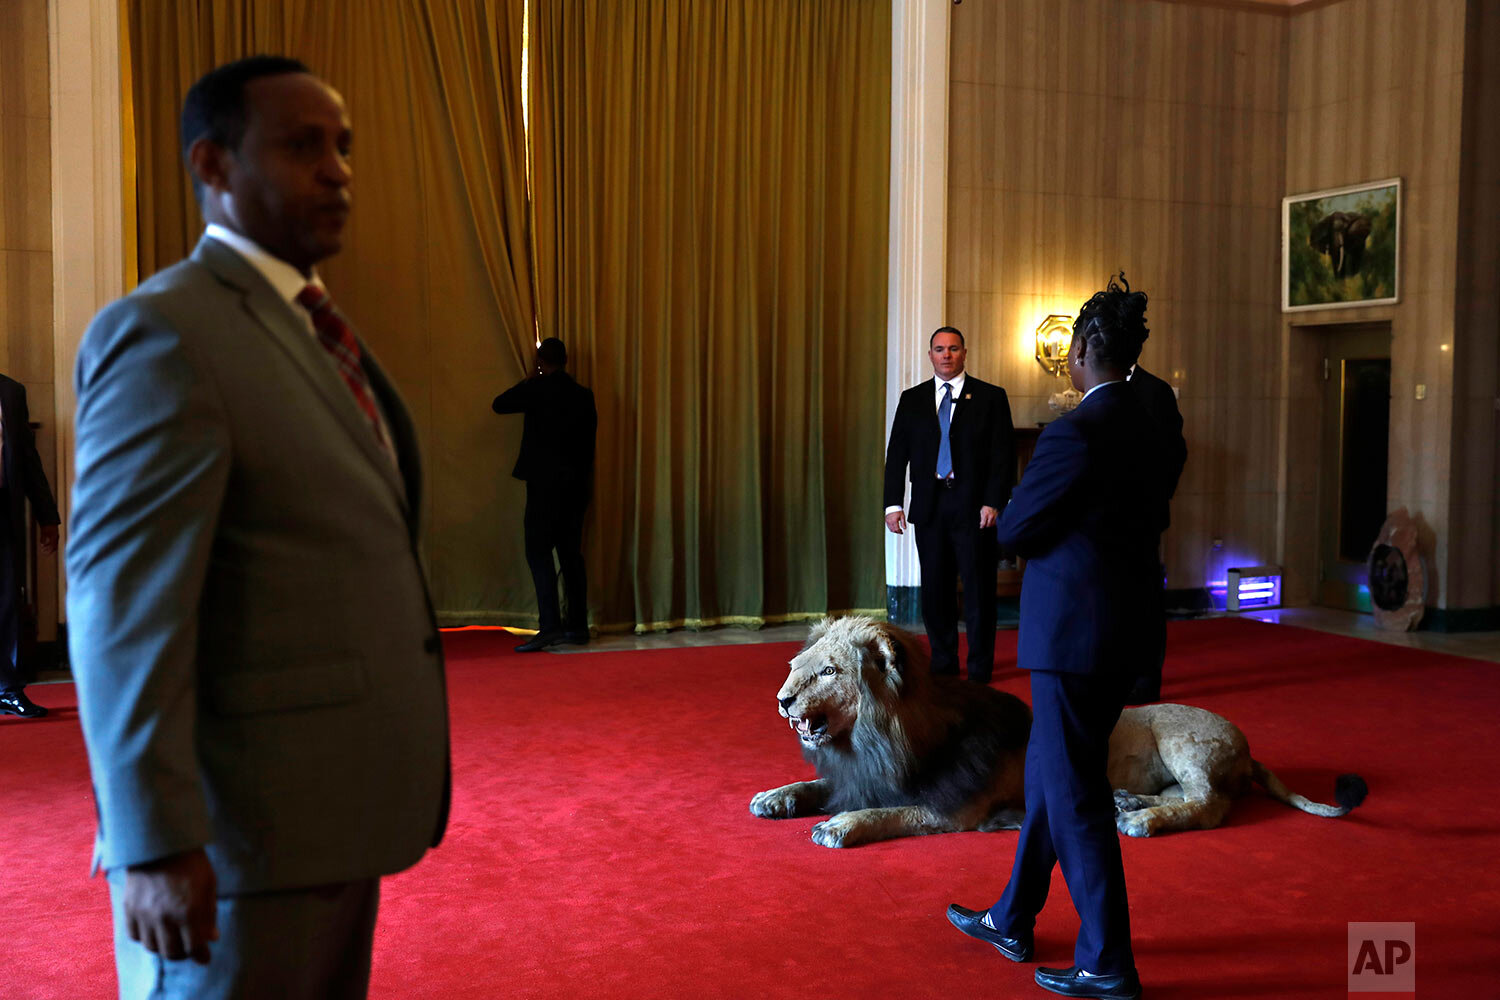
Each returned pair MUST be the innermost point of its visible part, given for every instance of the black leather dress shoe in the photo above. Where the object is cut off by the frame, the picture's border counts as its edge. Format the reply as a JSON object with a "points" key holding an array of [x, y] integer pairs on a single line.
{"points": [[577, 637], [971, 922], [540, 641], [1069, 983], [16, 703]]}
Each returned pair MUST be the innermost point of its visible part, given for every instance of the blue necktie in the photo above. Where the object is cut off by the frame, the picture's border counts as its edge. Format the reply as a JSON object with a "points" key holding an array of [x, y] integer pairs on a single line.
{"points": [[945, 417]]}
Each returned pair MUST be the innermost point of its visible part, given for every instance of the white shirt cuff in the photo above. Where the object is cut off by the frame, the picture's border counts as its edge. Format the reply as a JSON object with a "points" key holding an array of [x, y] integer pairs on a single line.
{"points": [[892, 510]]}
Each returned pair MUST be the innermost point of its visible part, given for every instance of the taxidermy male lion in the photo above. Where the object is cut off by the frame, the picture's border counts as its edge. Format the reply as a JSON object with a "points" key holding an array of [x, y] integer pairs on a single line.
{"points": [[899, 752]]}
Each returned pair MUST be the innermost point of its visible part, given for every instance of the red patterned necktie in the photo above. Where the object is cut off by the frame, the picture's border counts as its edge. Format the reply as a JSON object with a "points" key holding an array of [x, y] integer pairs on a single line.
{"points": [[338, 340]]}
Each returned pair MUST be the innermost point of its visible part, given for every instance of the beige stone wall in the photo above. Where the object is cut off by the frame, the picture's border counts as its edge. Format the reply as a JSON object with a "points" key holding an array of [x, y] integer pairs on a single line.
{"points": [[26, 237], [1092, 135], [1389, 104], [1473, 578], [1088, 135]]}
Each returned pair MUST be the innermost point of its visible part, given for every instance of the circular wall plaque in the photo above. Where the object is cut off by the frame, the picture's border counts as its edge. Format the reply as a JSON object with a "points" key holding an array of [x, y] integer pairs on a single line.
{"points": [[1388, 579], [1398, 582]]}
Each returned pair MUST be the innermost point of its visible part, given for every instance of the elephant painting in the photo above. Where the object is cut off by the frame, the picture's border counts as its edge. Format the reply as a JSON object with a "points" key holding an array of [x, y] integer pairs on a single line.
{"points": [[1341, 246], [1341, 236]]}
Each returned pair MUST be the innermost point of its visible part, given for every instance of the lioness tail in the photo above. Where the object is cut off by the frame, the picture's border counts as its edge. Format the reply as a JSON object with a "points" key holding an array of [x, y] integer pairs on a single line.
{"points": [[1349, 790]]}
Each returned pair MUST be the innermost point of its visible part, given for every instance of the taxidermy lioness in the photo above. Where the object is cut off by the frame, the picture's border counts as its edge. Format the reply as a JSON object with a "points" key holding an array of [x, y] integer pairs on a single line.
{"points": [[899, 752]]}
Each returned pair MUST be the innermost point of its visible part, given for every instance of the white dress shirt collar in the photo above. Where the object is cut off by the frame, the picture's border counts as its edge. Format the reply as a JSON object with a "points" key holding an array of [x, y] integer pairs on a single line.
{"points": [[286, 279], [1101, 385], [957, 382]]}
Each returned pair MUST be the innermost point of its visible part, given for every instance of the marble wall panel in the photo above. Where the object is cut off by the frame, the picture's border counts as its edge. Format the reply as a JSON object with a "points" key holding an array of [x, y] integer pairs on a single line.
{"points": [[1299, 548], [26, 260], [1431, 124], [23, 70], [1474, 495], [26, 164], [26, 318], [966, 138], [1254, 426], [1166, 152], [1476, 471], [965, 243], [1475, 363], [1470, 580]]}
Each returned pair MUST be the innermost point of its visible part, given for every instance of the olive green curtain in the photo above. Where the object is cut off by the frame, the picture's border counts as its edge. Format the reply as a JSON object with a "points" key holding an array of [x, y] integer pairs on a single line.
{"points": [[710, 184], [436, 268], [706, 232]]}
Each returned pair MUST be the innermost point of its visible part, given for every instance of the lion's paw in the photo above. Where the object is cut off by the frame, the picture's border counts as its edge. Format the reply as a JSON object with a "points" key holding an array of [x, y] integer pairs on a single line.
{"points": [[775, 803], [1134, 824], [1127, 801], [835, 832]]}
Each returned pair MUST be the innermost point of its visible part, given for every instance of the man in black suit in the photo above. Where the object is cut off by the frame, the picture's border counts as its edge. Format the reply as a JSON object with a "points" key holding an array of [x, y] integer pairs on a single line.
{"points": [[1160, 402], [21, 479], [557, 464], [1087, 517], [956, 436]]}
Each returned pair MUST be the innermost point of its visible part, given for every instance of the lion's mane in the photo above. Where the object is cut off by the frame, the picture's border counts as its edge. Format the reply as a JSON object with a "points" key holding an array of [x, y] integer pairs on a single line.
{"points": [[919, 739]]}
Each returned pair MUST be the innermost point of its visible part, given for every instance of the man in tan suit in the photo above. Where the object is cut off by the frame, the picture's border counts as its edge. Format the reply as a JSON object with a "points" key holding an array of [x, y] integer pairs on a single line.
{"points": [[259, 671]]}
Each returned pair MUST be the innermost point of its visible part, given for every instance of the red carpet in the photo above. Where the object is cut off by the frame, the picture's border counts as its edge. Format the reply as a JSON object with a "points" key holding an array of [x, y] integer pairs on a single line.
{"points": [[601, 845]]}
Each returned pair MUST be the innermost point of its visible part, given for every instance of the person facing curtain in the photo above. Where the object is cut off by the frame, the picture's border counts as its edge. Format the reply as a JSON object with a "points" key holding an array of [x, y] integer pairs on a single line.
{"points": [[710, 197], [708, 200]]}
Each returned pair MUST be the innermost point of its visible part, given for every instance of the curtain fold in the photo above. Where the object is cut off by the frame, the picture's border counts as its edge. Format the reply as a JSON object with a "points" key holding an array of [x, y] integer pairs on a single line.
{"points": [[705, 228], [476, 50], [435, 271], [710, 222]]}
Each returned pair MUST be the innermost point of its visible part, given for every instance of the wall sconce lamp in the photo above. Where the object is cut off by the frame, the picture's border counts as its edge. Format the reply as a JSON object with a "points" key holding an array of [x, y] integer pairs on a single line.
{"points": [[1053, 337]]}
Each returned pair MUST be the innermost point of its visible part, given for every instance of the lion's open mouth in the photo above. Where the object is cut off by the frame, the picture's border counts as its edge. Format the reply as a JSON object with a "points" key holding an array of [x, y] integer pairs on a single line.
{"points": [[812, 731]]}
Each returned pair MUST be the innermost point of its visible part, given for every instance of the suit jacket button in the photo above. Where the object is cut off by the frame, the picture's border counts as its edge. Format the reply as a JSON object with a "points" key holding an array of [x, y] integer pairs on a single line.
{"points": [[432, 644]]}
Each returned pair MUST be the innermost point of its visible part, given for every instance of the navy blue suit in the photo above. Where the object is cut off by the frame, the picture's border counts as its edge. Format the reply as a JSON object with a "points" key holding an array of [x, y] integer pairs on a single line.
{"points": [[1087, 516]]}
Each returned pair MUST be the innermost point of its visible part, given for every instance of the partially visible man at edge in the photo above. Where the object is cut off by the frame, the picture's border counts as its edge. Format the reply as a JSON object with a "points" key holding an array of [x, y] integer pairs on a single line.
{"points": [[259, 671], [21, 479]]}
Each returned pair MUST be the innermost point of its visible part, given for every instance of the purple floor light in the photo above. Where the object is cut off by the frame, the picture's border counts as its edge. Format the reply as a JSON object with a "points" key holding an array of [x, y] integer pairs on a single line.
{"points": [[1252, 587]]}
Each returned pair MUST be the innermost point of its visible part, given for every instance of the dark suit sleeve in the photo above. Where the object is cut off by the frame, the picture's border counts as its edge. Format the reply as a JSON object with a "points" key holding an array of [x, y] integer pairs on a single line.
{"points": [[1002, 458], [1176, 445], [588, 432], [1156, 395], [897, 455], [515, 399], [1035, 517], [43, 505]]}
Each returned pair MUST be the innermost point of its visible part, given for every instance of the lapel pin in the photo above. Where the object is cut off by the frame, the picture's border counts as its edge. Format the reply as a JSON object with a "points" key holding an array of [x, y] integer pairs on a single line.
{"points": [[968, 395]]}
